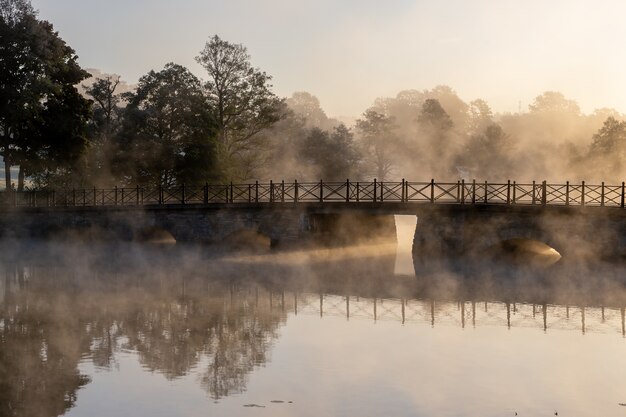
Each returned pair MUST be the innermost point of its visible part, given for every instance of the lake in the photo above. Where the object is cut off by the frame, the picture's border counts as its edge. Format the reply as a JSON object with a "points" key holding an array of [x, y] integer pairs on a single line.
{"points": [[103, 329]]}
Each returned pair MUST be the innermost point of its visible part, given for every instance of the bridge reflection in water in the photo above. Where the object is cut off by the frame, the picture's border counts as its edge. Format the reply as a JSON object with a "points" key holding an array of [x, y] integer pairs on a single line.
{"points": [[352, 287], [456, 313], [181, 312]]}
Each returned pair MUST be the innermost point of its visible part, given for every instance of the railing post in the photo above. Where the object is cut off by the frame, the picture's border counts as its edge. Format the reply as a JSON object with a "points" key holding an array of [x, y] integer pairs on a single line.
{"points": [[508, 192], [84, 197], [514, 191], [271, 191], [282, 191], [623, 194], [382, 191], [403, 195], [205, 198], [357, 192], [432, 191], [474, 191], [544, 197], [375, 188], [122, 196], [567, 193], [321, 191], [182, 193], [347, 190], [406, 191], [232, 196], [582, 194], [602, 196], [463, 191], [486, 195], [137, 196], [116, 195], [295, 191], [534, 193], [256, 191]]}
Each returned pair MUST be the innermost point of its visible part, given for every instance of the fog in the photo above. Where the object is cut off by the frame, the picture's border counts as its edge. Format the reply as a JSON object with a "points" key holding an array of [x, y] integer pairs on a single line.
{"points": [[434, 133], [209, 291], [210, 316], [186, 310]]}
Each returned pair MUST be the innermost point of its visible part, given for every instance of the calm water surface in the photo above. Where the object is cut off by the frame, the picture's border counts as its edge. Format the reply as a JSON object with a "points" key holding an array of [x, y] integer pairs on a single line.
{"points": [[132, 330]]}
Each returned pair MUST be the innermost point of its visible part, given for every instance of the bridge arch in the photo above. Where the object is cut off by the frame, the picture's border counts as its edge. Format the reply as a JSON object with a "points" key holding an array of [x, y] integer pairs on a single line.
{"points": [[476, 235]]}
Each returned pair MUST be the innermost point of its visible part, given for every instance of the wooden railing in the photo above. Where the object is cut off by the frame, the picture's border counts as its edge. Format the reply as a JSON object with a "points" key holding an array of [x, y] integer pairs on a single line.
{"points": [[460, 192]]}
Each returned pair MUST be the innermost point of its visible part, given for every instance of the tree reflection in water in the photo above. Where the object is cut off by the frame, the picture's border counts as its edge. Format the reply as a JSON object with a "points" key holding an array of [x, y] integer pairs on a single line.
{"points": [[52, 317], [179, 311], [40, 347]]}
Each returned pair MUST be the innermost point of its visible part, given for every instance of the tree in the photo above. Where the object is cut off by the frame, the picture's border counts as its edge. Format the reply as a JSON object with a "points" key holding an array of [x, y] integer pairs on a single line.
{"points": [[553, 101], [168, 130], [487, 154], [243, 101], [12, 11], [435, 130], [102, 92], [456, 108], [480, 116], [279, 155], [38, 72], [379, 141], [608, 149], [333, 153], [57, 142], [104, 124], [307, 106], [433, 117]]}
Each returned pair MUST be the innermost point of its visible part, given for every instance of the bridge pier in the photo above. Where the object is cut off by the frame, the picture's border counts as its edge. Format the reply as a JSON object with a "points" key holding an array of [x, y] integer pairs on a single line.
{"points": [[284, 225], [442, 230], [472, 233], [341, 228]]}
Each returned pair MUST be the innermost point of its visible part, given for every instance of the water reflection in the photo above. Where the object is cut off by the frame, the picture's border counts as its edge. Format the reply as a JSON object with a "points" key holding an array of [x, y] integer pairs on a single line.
{"points": [[180, 311], [40, 348], [54, 316]]}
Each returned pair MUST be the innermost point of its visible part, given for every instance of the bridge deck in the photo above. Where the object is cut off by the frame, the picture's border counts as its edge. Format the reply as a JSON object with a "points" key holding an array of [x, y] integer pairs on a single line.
{"points": [[378, 193]]}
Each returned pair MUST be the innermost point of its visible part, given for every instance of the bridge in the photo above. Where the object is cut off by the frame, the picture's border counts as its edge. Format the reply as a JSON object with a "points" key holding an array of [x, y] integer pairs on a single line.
{"points": [[460, 192], [578, 219]]}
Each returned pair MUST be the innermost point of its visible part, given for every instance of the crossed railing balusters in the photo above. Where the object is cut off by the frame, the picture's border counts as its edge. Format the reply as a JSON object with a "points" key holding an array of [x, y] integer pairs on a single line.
{"points": [[460, 192]]}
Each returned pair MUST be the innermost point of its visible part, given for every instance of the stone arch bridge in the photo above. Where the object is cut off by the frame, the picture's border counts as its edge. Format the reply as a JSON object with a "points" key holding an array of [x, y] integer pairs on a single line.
{"points": [[453, 218]]}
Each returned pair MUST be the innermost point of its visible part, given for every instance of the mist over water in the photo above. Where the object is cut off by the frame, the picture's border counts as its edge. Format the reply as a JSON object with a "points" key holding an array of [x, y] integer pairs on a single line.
{"points": [[502, 294], [168, 329]]}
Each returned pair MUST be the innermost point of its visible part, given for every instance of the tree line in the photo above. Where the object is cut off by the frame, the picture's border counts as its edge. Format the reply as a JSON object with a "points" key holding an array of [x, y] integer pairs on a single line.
{"points": [[59, 127]]}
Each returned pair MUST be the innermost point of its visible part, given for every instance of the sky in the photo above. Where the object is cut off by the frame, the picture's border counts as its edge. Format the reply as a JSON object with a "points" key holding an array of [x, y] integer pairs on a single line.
{"points": [[349, 52]]}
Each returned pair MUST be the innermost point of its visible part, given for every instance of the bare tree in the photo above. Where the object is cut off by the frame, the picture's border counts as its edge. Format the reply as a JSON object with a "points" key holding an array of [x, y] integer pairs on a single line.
{"points": [[243, 101]]}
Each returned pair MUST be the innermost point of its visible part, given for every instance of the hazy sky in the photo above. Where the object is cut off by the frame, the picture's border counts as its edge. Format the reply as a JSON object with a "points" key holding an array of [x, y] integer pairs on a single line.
{"points": [[348, 52]]}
